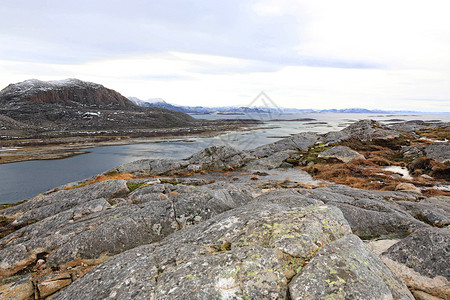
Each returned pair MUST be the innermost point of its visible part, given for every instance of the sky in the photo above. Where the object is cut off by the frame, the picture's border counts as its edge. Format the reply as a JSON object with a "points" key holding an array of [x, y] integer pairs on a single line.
{"points": [[319, 54]]}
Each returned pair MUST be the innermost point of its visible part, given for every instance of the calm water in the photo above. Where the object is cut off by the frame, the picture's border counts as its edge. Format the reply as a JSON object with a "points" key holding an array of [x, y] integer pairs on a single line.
{"points": [[23, 180]]}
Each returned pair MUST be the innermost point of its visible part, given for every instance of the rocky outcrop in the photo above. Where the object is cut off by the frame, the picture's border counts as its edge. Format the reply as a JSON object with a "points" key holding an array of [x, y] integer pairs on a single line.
{"points": [[426, 251], [342, 153], [251, 251], [229, 224], [347, 269], [439, 152], [364, 130]]}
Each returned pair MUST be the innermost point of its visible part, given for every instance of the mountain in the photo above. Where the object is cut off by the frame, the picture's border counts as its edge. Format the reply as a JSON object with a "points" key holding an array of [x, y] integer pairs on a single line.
{"points": [[69, 92], [229, 110], [73, 104]]}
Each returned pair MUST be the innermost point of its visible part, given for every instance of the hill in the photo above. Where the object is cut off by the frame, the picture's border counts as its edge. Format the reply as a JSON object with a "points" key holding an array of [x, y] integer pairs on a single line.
{"points": [[73, 104]]}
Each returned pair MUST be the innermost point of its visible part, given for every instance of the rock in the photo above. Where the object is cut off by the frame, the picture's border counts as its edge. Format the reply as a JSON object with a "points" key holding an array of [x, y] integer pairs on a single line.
{"points": [[430, 213], [379, 246], [438, 286], [151, 223], [43, 206], [439, 151], [247, 252], [342, 153], [419, 295], [364, 130], [407, 187], [17, 288], [368, 213], [56, 283], [297, 142], [217, 157], [426, 251], [414, 151], [346, 269], [271, 162], [367, 130]]}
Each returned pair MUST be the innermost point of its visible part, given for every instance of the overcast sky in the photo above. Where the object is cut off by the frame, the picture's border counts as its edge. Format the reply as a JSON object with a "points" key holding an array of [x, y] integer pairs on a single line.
{"points": [[307, 53]]}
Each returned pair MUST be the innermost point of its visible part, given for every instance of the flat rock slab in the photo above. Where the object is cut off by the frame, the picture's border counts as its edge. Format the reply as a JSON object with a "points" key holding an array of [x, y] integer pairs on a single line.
{"points": [[342, 153], [249, 252], [347, 269], [426, 251]]}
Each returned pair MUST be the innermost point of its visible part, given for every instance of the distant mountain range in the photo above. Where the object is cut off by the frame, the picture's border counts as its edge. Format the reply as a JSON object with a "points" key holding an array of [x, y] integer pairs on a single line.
{"points": [[233, 110]]}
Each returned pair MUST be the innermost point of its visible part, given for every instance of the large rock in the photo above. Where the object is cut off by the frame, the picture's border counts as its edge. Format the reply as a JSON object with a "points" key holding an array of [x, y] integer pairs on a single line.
{"points": [[45, 205], [439, 151], [342, 153], [297, 142], [371, 214], [364, 130], [248, 252], [211, 158], [347, 269], [427, 251], [271, 162]]}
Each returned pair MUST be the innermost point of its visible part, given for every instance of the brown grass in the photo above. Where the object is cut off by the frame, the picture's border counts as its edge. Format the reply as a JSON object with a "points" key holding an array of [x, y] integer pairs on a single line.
{"points": [[101, 178]]}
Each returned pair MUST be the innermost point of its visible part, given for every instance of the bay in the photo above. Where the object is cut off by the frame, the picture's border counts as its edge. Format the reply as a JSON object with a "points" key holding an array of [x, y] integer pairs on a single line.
{"points": [[23, 180]]}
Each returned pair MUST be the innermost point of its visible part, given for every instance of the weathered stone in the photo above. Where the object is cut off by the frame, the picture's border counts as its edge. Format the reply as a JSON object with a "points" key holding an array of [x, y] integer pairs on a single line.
{"points": [[297, 142], [18, 288], [427, 251], [271, 162], [439, 151], [342, 153], [368, 212], [346, 269], [51, 286], [43, 206], [437, 286], [14, 259], [407, 187], [244, 252], [429, 213], [419, 295], [367, 130]]}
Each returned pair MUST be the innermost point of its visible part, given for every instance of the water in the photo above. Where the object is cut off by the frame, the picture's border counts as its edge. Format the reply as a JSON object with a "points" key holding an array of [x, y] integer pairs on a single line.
{"points": [[23, 180]]}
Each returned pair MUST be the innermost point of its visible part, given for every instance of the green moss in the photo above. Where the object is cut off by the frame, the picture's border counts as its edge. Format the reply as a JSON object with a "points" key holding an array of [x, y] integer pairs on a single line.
{"points": [[171, 181], [7, 205], [132, 186], [112, 173]]}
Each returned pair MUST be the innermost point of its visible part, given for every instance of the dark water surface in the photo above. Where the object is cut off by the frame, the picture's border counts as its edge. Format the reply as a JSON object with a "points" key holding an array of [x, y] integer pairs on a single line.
{"points": [[23, 180]]}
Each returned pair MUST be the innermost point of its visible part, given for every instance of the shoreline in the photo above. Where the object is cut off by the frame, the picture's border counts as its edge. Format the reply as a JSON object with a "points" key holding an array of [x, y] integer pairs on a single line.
{"points": [[65, 147]]}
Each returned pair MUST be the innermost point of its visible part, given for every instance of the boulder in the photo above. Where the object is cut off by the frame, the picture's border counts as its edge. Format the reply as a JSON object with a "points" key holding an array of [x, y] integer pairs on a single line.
{"points": [[367, 130], [427, 251], [18, 287], [407, 187], [271, 162], [439, 151], [342, 153], [435, 287], [347, 269], [249, 252], [369, 213], [43, 206], [297, 142]]}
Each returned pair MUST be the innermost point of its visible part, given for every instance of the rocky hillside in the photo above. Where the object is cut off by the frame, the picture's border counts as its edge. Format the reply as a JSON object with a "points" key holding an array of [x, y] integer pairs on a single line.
{"points": [[73, 104], [258, 224]]}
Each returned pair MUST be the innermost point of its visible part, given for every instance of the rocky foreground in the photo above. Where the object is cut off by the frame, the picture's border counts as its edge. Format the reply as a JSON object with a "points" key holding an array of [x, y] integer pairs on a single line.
{"points": [[269, 223]]}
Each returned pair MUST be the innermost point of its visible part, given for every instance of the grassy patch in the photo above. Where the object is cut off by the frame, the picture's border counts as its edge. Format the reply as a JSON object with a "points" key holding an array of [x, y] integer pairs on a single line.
{"points": [[4, 206], [132, 186], [108, 176]]}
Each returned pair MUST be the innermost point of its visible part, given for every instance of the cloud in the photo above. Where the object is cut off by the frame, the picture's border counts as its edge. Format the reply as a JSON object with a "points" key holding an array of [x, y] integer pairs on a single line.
{"points": [[307, 54]]}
